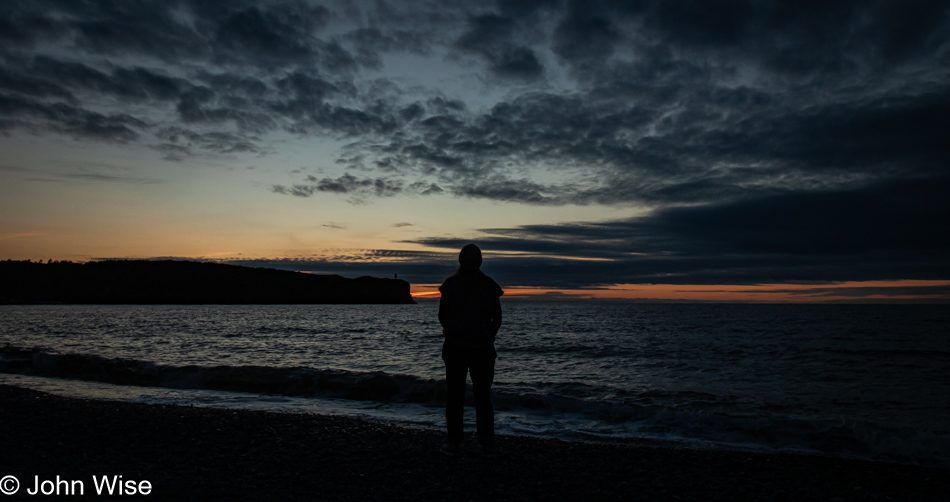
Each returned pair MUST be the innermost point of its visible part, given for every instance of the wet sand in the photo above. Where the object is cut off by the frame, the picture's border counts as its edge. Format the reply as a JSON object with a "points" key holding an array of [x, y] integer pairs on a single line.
{"points": [[193, 453]]}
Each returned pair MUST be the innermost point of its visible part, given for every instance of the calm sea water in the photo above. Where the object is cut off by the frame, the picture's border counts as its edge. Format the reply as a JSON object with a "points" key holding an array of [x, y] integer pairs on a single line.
{"points": [[856, 380]]}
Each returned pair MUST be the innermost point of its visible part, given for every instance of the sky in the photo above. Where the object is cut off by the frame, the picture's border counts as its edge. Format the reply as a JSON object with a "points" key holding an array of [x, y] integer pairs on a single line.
{"points": [[792, 151]]}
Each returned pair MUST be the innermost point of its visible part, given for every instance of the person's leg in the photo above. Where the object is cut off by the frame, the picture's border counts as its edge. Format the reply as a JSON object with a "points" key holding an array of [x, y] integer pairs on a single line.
{"points": [[455, 372], [483, 374]]}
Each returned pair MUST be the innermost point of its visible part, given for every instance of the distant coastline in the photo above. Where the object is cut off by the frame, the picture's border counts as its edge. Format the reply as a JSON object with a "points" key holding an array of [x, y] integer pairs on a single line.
{"points": [[185, 282]]}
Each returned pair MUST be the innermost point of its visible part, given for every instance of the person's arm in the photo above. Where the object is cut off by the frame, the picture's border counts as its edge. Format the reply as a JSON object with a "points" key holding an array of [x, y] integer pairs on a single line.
{"points": [[443, 311], [495, 317]]}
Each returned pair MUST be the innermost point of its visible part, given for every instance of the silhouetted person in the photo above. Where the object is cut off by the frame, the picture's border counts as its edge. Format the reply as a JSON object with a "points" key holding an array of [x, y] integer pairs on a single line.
{"points": [[470, 313]]}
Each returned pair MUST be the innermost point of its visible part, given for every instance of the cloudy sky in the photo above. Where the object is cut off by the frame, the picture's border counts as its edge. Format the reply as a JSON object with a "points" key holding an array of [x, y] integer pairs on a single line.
{"points": [[756, 150]]}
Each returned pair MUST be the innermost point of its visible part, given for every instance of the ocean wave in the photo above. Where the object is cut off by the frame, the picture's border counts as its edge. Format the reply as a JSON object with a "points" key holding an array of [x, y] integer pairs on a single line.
{"points": [[294, 381], [880, 353], [617, 414]]}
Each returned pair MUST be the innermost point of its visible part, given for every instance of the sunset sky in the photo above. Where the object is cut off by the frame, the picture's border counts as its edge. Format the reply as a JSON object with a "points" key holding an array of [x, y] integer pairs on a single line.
{"points": [[656, 149]]}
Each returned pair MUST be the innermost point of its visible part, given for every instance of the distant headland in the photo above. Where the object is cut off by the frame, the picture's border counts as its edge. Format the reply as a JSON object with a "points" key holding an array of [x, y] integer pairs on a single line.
{"points": [[184, 282]]}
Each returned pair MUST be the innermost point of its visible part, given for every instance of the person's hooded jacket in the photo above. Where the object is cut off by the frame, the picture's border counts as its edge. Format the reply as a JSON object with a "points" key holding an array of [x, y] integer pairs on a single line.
{"points": [[470, 309]]}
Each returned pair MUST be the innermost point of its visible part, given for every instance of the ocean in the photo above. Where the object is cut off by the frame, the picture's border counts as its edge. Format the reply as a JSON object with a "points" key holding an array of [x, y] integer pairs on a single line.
{"points": [[865, 381]]}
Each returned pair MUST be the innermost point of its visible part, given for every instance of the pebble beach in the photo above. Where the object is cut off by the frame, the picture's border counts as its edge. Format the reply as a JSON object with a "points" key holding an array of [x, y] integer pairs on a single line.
{"points": [[195, 453]]}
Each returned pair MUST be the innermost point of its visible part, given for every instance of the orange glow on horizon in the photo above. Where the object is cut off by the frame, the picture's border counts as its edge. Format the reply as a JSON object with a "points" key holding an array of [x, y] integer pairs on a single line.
{"points": [[424, 291], [765, 293]]}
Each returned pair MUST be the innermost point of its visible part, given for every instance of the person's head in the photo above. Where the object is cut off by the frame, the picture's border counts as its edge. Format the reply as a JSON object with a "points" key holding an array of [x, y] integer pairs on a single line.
{"points": [[470, 258]]}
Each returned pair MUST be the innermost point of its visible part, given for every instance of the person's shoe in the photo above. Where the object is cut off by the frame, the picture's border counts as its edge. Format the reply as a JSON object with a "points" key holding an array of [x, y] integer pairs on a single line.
{"points": [[450, 448]]}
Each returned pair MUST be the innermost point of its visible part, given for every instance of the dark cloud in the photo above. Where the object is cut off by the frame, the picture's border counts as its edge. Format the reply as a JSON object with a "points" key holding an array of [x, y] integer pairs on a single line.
{"points": [[233, 84], [716, 143], [22, 28], [71, 120], [526, 8], [582, 38], [232, 67], [493, 38], [652, 118], [112, 28], [886, 231], [306, 87], [125, 83], [179, 143], [880, 232], [508, 190], [370, 43], [891, 217], [108, 177], [26, 85], [346, 185], [278, 35], [793, 38], [201, 105]]}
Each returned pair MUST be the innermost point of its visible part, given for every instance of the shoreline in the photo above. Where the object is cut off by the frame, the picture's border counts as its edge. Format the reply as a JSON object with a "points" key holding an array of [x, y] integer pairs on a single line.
{"points": [[194, 452]]}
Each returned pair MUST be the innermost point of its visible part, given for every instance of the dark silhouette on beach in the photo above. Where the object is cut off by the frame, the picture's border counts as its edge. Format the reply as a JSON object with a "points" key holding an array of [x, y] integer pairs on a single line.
{"points": [[184, 282], [470, 314]]}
